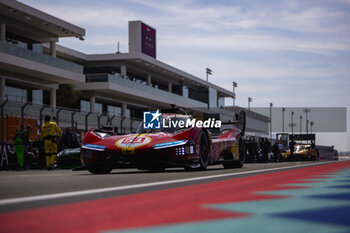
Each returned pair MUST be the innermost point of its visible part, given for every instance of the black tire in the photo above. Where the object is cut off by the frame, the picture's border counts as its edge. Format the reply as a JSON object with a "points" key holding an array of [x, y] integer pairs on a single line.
{"points": [[203, 151], [239, 163], [228, 165], [100, 170], [242, 153]]}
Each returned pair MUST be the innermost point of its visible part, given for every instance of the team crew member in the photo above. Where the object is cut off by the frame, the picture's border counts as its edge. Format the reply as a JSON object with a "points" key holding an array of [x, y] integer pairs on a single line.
{"points": [[49, 135], [276, 151], [291, 148], [19, 149]]}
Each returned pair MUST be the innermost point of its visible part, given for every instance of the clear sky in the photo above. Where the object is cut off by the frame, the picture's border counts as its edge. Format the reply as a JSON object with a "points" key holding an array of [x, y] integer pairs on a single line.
{"points": [[291, 53]]}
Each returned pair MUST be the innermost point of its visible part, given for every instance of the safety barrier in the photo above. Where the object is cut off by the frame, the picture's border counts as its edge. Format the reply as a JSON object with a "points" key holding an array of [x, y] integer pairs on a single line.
{"points": [[324, 156], [19, 114], [327, 153]]}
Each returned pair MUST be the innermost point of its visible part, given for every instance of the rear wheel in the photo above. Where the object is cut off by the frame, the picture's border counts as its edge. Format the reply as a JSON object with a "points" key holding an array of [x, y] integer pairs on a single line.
{"points": [[229, 164], [242, 151], [238, 163]]}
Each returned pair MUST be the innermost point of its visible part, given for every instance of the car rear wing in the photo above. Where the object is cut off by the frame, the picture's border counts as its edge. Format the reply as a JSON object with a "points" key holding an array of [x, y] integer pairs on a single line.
{"points": [[240, 122]]}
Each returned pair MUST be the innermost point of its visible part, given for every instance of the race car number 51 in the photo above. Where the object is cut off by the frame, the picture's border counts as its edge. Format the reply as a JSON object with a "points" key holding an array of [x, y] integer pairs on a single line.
{"points": [[133, 142]]}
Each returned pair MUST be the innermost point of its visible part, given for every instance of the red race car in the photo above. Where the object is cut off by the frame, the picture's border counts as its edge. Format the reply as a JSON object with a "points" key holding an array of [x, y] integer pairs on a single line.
{"points": [[193, 148]]}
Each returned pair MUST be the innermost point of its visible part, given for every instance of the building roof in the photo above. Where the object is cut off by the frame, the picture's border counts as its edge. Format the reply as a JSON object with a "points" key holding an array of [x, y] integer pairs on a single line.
{"points": [[34, 24], [150, 63], [143, 61]]}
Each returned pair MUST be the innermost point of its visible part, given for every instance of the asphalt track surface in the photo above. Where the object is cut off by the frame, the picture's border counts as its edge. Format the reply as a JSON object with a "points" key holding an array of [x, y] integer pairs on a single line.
{"points": [[291, 197], [30, 183]]}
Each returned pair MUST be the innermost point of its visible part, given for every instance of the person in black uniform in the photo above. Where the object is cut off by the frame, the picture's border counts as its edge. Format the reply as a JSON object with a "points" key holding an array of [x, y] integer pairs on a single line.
{"points": [[291, 148], [69, 140], [276, 152]]}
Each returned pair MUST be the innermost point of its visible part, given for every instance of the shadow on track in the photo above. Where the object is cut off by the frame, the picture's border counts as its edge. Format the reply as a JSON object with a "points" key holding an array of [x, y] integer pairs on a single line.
{"points": [[173, 170]]}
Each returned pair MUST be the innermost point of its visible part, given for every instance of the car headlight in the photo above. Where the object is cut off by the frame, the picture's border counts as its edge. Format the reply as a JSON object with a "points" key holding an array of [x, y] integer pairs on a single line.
{"points": [[184, 150]]}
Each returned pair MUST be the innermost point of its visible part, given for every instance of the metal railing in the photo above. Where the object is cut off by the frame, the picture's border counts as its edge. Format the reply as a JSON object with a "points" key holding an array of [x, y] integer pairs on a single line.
{"points": [[78, 120], [142, 87], [39, 57]]}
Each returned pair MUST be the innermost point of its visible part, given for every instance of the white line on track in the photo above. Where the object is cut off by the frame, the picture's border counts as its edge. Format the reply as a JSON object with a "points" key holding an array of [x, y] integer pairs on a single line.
{"points": [[135, 186]]}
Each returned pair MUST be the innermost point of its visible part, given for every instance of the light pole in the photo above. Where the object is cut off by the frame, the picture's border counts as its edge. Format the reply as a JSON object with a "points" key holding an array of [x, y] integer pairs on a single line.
{"points": [[311, 124], [300, 123], [306, 110], [208, 71], [283, 110], [271, 105], [234, 93], [292, 114], [250, 99]]}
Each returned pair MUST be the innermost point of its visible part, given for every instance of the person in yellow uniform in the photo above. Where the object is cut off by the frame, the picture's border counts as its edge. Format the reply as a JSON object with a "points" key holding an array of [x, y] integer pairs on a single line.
{"points": [[49, 134]]}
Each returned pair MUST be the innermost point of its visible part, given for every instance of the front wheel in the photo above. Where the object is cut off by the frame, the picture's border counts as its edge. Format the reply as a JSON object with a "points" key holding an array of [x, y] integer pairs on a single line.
{"points": [[203, 151]]}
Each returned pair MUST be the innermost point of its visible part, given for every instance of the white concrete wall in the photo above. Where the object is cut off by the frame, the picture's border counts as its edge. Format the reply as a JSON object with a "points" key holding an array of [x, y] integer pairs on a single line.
{"points": [[135, 37]]}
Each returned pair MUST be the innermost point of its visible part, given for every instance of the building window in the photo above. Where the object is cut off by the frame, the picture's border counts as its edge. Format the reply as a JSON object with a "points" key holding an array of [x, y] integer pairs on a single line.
{"points": [[221, 102], [98, 108], [21, 44], [16, 94], [199, 94], [185, 91], [127, 113], [84, 106], [213, 98], [113, 110], [37, 97], [38, 48]]}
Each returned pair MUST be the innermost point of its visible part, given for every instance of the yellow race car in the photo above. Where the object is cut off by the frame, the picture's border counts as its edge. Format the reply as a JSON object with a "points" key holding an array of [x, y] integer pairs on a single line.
{"points": [[305, 152], [301, 152]]}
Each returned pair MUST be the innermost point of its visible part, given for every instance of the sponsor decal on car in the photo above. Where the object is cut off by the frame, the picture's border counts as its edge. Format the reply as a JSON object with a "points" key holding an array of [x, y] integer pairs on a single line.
{"points": [[94, 147], [170, 144], [133, 142]]}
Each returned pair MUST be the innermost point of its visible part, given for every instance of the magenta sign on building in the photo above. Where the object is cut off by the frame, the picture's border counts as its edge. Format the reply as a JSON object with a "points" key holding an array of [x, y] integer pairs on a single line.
{"points": [[148, 40]]}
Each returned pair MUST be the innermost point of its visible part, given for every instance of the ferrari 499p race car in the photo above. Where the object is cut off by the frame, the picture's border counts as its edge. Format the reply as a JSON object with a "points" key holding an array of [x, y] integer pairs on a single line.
{"points": [[193, 148]]}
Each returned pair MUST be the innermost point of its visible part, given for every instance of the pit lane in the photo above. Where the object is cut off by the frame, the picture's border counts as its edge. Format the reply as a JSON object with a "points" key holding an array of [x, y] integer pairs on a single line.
{"points": [[37, 188]]}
